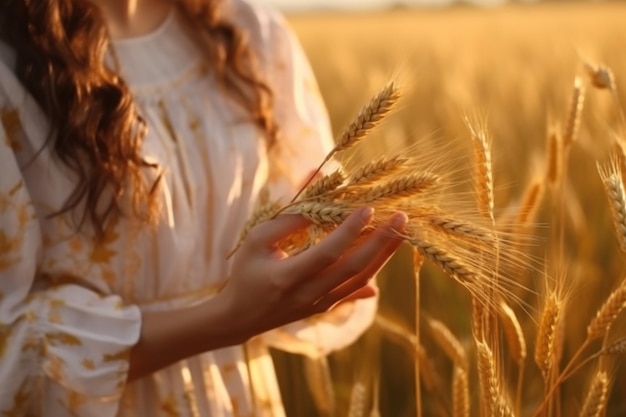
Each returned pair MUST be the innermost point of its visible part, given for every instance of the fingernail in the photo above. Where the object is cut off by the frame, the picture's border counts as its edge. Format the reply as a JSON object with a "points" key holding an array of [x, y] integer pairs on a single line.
{"points": [[399, 220], [367, 213]]}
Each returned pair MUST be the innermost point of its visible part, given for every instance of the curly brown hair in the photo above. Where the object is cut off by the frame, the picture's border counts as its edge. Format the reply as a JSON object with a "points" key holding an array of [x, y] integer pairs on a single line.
{"points": [[60, 50]]}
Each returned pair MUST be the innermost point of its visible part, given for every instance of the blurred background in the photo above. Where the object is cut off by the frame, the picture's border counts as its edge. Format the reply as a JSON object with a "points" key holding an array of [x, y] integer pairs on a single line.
{"points": [[513, 64]]}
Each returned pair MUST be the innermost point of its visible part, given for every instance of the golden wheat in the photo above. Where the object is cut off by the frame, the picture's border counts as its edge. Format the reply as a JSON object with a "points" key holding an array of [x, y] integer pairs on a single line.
{"points": [[595, 401], [554, 165], [572, 122], [483, 173], [378, 169], [449, 343], [546, 334], [324, 185], [460, 393], [601, 77], [607, 313], [369, 117], [612, 180], [487, 377], [513, 332]]}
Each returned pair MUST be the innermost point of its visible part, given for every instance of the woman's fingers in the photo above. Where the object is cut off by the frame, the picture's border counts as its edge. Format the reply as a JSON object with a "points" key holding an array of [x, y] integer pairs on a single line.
{"points": [[362, 261], [266, 234], [331, 248]]}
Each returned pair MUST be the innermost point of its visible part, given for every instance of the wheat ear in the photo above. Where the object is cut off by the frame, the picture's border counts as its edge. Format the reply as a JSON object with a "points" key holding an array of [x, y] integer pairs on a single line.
{"points": [[607, 313], [513, 332], [461, 229], [531, 201], [403, 186], [487, 378], [368, 118], [357, 400], [460, 393], [483, 173], [324, 185], [546, 334], [617, 347], [612, 180], [572, 122], [554, 151], [446, 261], [374, 171], [595, 402], [600, 77], [321, 213]]}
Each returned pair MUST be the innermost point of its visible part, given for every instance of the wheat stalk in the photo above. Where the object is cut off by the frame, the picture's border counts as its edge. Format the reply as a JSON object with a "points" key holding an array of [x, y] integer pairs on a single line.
{"points": [[449, 343], [320, 383]]}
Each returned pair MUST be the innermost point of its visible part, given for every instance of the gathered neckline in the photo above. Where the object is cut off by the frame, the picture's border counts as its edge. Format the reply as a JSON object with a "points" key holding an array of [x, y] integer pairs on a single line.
{"points": [[149, 36]]}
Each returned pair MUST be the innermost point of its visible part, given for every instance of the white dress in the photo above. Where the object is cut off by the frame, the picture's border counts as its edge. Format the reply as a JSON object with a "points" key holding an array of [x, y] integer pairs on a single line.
{"points": [[70, 308]]}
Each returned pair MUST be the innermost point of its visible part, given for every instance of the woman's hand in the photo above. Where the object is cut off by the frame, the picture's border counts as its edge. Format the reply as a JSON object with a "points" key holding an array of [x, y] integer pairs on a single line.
{"points": [[267, 289]]}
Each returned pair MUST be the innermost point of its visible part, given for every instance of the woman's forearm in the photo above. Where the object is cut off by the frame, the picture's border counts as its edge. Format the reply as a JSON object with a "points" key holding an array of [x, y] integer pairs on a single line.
{"points": [[170, 336]]}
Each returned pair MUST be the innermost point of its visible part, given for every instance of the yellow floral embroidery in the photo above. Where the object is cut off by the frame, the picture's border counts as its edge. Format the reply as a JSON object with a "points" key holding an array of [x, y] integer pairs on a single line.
{"points": [[10, 119], [32, 343], [169, 407], [109, 276], [76, 244], [20, 402], [30, 316], [63, 338], [228, 368], [101, 253], [9, 245], [56, 303], [55, 368], [5, 333], [73, 403], [122, 355], [88, 364]]}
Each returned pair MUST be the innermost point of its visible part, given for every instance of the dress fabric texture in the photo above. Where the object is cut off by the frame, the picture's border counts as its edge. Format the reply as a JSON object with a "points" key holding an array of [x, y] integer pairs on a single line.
{"points": [[71, 306]]}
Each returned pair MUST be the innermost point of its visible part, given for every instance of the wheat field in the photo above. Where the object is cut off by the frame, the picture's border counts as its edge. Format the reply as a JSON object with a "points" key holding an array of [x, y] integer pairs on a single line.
{"points": [[508, 75]]}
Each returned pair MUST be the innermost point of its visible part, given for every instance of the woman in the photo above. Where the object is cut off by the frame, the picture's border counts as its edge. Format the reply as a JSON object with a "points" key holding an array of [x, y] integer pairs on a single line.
{"points": [[136, 137]]}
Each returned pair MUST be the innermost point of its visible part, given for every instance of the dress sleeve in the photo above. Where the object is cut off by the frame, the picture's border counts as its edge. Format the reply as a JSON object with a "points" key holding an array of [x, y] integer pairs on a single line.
{"points": [[63, 348], [305, 140]]}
